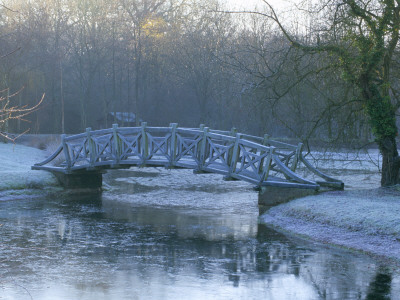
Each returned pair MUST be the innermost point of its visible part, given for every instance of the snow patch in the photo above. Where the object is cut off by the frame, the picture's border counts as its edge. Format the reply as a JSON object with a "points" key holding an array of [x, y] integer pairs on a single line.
{"points": [[16, 173]]}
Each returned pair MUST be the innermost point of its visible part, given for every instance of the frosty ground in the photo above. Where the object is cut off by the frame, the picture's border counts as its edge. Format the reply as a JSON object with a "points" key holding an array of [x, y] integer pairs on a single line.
{"points": [[363, 217], [16, 176], [366, 220]]}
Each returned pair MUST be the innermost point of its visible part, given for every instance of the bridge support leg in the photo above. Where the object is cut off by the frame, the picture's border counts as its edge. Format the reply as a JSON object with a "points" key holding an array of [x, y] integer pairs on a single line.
{"points": [[83, 180], [272, 196]]}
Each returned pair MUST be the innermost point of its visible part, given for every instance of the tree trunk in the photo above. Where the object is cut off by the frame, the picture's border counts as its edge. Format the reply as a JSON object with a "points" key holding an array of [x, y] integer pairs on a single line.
{"points": [[390, 162], [383, 123]]}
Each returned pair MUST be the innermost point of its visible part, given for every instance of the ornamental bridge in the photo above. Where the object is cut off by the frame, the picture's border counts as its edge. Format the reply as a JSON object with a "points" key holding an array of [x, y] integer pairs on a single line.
{"points": [[81, 159]]}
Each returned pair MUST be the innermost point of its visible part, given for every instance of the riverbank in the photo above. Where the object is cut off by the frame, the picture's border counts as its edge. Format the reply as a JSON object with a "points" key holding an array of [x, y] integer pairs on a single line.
{"points": [[16, 174], [364, 220]]}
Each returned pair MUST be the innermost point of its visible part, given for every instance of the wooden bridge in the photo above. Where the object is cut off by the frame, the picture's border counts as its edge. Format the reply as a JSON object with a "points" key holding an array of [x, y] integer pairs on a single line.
{"points": [[82, 158]]}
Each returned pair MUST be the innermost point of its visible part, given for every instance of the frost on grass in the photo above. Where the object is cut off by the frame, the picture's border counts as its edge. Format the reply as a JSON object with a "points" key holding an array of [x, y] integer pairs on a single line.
{"points": [[15, 170], [366, 220], [369, 211], [364, 217]]}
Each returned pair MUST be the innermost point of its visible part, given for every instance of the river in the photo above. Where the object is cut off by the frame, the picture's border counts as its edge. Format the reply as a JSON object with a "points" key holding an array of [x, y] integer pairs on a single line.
{"points": [[169, 234]]}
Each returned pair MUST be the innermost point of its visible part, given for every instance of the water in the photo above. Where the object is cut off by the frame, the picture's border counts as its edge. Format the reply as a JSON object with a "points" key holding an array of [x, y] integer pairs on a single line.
{"points": [[159, 234]]}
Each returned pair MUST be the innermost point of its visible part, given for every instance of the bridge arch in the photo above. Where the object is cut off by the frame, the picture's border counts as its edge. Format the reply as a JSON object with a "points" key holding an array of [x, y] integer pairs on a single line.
{"points": [[80, 159]]}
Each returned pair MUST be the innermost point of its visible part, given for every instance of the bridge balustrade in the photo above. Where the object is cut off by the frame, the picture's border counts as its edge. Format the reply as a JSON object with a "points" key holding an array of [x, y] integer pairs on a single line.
{"points": [[261, 161]]}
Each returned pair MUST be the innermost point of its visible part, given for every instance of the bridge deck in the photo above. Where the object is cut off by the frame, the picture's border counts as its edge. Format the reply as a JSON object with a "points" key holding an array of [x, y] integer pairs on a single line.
{"points": [[260, 161]]}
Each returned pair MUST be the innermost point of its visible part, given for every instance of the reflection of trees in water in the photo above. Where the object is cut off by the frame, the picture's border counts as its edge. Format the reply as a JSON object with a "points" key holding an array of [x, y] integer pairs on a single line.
{"points": [[84, 233], [174, 242], [380, 286], [187, 223], [334, 274]]}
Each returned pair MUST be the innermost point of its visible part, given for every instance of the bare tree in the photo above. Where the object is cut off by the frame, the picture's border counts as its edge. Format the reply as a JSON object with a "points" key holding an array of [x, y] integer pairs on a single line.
{"points": [[10, 111], [362, 37]]}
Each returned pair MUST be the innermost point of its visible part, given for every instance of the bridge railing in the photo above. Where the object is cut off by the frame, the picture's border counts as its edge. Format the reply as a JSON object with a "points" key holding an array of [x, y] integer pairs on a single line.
{"points": [[261, 161]]}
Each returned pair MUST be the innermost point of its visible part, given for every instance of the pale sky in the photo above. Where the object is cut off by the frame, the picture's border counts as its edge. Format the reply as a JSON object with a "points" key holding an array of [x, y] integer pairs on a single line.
{"points": [[287, 10], [249, 4]]}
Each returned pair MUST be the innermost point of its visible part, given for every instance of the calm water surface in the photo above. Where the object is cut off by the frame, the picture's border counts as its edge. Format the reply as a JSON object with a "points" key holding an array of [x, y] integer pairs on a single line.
{"points": [[159, 234]]}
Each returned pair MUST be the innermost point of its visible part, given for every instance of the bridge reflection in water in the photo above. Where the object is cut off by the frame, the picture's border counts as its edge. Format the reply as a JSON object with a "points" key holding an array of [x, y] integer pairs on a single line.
{"points": [[81, 159], [162, 234]]}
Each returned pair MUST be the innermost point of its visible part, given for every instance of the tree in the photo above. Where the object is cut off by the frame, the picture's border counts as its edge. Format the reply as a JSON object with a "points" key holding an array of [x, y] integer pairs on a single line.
{"points": [[196, 57], [10, 109], [361, 38]]}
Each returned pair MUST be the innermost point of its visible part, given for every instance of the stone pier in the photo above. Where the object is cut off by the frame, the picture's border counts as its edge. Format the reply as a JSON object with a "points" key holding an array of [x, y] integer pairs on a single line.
{"points": [[269, 196], [80, 180]]}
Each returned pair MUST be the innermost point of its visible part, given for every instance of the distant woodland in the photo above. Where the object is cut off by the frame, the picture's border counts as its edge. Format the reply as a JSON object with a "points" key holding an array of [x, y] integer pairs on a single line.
{"points": [[184, 61]]}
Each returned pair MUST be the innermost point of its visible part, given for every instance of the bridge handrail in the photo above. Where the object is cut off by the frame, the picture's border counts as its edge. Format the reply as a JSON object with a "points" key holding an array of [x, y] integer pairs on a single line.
{"points": [[266, 139], [212, 133], [51, 157], [316, 171], [233, 154]]}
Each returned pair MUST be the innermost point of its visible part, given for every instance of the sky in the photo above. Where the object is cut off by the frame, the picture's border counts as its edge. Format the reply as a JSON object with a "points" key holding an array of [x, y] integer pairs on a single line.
{"points": [[249, 4], [287, 10]]}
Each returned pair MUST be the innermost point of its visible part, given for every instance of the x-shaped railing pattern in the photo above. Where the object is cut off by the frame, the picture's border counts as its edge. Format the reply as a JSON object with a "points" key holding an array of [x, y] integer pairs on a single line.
{"points": [[261, 161]]}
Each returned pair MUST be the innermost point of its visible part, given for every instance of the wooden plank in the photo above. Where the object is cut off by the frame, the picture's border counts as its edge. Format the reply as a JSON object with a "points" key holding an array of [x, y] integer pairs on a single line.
{"points": [[290, 173], [267, 166], [332, 184], [51, 169], [173, 144], [75, 137], [157, 129], [296, 157], [50, 158], [189, 131], [235, 155], [220, 137], [66, 151], [316, 171], [117, 145], [144, 143], [203, 148], [129, 130], [254, 145], [291, 185], [92, 148], [229, 154], [262, 152], [187, 164]]}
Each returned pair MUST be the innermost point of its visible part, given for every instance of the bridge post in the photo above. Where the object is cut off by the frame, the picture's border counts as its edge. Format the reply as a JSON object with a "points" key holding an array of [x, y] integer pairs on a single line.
{"points": [[296, 158], [203, 149], [235, 155], [229, 156], [266, 167], [66, 151], [92, 147], [265, 141], [173, 143], [262, 167], [144, 143], [117, 144]]}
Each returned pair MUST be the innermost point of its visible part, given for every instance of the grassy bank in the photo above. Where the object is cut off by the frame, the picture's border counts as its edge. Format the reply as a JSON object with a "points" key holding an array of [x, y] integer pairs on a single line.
{"points": [[366, 220], [15, 171]]}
